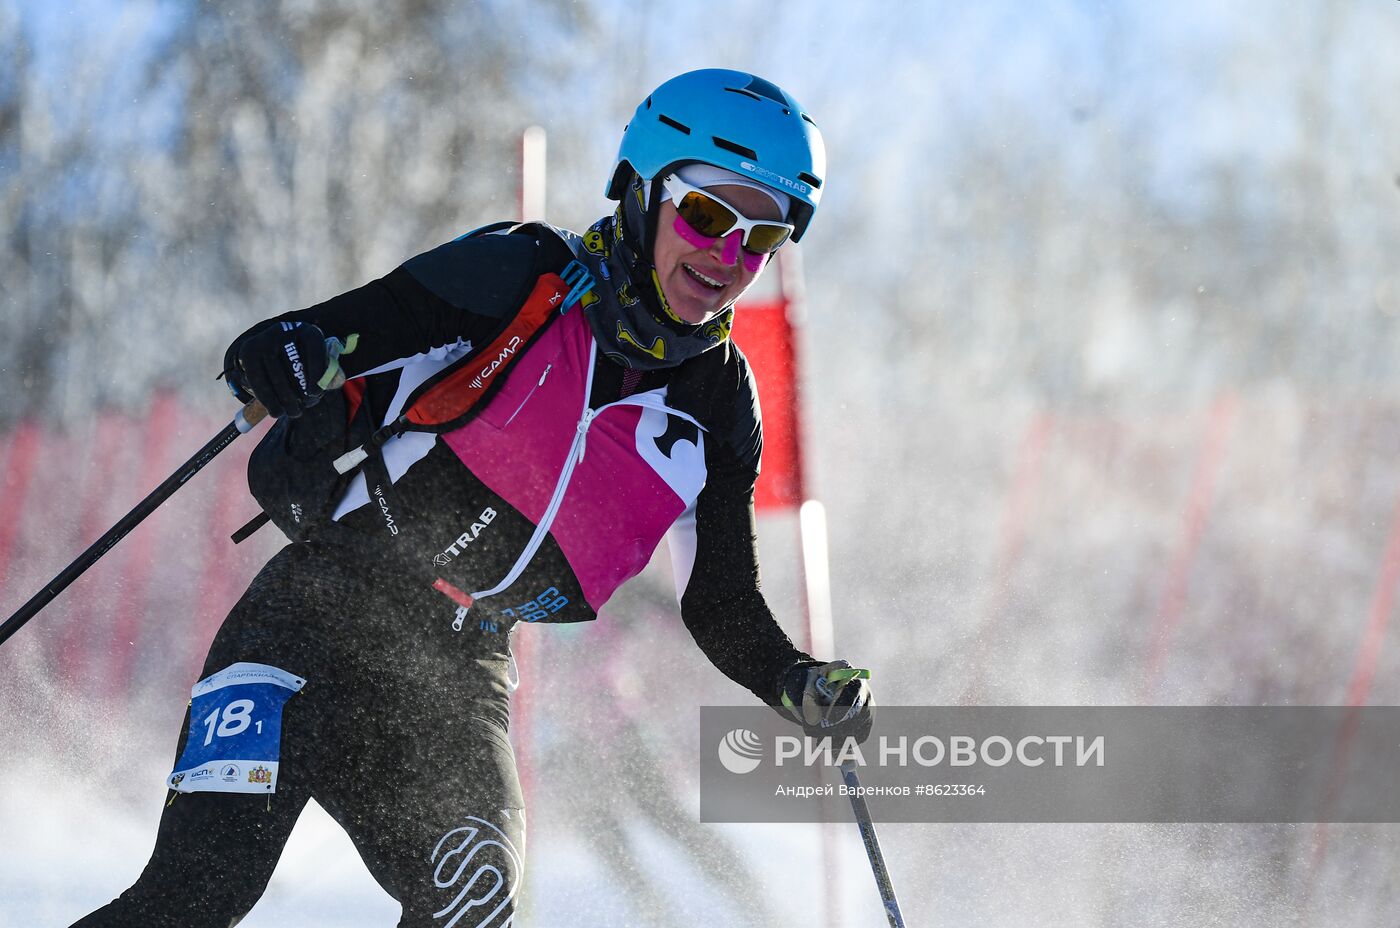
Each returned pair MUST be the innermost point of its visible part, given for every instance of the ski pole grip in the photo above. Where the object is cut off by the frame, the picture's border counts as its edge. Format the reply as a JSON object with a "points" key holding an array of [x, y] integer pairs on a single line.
{"points": [[249, 416], [334, 378]]}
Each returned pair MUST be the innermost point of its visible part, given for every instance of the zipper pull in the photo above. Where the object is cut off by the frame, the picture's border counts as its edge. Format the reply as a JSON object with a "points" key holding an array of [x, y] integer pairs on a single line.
{"points": [[583, 423], [544, 375]]}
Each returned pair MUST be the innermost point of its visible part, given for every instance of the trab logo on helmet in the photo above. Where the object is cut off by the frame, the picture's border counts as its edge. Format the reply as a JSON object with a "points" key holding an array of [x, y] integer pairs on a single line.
{"points": [[732, 120]]}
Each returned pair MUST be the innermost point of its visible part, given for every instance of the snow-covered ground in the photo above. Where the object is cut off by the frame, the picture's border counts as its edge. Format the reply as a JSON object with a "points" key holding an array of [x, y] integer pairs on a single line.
{"points": [[81, 791]]}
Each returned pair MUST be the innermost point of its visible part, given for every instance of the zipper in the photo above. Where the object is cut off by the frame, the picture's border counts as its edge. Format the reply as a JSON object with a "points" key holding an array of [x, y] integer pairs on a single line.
{"points": [[576, 451], [557, 499], [529, 396]]}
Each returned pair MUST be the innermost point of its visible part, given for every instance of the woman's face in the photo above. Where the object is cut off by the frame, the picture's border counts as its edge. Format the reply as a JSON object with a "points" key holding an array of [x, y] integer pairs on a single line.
{"points": [[697, 280]]}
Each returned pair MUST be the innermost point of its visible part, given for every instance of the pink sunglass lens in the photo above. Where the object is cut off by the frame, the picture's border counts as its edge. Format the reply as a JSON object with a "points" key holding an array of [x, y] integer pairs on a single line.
{"points": [[731, 247], [686, 231]]}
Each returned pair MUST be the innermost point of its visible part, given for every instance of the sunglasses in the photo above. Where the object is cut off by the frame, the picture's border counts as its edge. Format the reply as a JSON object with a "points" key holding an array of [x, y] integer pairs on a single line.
{"points": [[713, 218]]}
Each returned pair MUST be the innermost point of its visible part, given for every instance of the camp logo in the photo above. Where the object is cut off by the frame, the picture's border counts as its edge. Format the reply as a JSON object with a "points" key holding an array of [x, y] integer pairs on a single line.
{"points": [[511, 347], [230, 773], [260, 774], [384, 510]]}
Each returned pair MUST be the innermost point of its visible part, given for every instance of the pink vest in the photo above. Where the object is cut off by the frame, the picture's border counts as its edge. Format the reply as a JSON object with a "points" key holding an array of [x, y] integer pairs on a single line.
{"points": [[606, 484]]}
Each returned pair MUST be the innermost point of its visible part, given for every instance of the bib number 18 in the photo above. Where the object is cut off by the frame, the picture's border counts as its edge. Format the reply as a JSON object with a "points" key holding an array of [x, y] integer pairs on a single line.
{"points": [[237, 716], [234, 741]]}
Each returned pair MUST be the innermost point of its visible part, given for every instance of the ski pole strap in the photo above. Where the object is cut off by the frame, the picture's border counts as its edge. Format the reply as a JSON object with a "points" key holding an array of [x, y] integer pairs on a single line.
{"points": [[249, 527], [334, 377], [842, 674]]}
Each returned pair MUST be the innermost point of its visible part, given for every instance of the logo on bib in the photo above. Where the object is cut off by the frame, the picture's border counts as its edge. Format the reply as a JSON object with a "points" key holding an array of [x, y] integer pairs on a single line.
{"points": [[259, 774]]}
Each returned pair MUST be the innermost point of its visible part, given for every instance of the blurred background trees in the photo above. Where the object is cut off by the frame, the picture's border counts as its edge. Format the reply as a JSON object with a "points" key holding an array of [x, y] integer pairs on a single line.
{"points": [[174, 171]]}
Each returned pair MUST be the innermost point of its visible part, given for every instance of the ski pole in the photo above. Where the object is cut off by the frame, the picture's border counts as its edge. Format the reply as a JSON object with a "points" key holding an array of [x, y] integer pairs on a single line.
{"points": [[246, 418], [872, 846]]}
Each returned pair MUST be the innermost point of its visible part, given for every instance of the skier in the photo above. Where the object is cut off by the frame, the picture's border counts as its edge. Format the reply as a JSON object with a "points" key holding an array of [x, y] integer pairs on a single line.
{"points": [[528, 412]]}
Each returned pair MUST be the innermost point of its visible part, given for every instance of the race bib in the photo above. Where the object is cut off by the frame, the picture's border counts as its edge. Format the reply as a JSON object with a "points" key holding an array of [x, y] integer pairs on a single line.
{"points": [[235, 735]]}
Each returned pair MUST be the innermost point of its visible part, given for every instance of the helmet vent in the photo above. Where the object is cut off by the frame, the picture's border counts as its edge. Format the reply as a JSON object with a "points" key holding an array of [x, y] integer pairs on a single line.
{"points": [[809, 119], [743, 92], [764, 89], [814, 181], [735, 148], [680, 127]]}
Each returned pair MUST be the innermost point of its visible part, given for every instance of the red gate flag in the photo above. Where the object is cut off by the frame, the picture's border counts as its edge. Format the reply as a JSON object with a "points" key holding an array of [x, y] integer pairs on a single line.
{"points": [[763, 330]]}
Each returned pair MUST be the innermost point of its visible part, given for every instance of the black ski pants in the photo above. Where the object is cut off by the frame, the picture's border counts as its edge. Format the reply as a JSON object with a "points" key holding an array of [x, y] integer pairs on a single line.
{"points": [[400, 733]]}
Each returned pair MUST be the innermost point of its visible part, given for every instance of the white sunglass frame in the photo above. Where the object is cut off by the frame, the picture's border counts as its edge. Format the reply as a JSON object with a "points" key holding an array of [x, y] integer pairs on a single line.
{"points": [[675, 190]]}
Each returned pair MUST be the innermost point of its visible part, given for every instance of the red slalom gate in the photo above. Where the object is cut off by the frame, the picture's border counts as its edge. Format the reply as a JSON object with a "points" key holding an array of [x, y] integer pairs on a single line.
{"points": [[91, 637], [24, 453], [1020, 502], [98, 510], [140, 557], [1382, 605], [1197, 514], [1359, 688], [223, 565], [764, 331]]}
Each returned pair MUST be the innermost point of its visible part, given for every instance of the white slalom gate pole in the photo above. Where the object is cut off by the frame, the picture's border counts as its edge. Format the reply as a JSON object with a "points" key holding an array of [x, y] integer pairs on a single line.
{"points": [[532, 174]]}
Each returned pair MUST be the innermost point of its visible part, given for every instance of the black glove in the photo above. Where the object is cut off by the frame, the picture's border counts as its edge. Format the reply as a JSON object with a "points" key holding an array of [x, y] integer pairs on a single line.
{"points": [[279, 366], [828, 699]]}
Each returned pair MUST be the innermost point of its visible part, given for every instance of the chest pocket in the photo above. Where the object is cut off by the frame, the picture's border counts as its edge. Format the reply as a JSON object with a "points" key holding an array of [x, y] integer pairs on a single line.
{"points": [[525, 379]]}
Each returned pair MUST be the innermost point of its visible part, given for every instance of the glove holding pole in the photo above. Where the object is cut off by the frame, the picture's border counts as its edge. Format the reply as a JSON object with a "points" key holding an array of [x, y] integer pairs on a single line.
{"points": [[834, 699], [286, 366], [831, 699]]}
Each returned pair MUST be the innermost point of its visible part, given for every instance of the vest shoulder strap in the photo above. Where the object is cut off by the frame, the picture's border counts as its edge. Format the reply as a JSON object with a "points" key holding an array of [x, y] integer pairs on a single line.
{"points": [[447, 400]]}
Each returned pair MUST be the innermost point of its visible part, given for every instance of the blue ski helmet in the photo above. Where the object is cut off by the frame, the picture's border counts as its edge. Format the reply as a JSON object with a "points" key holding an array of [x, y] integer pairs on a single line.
{"points": [[733, 120]]}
